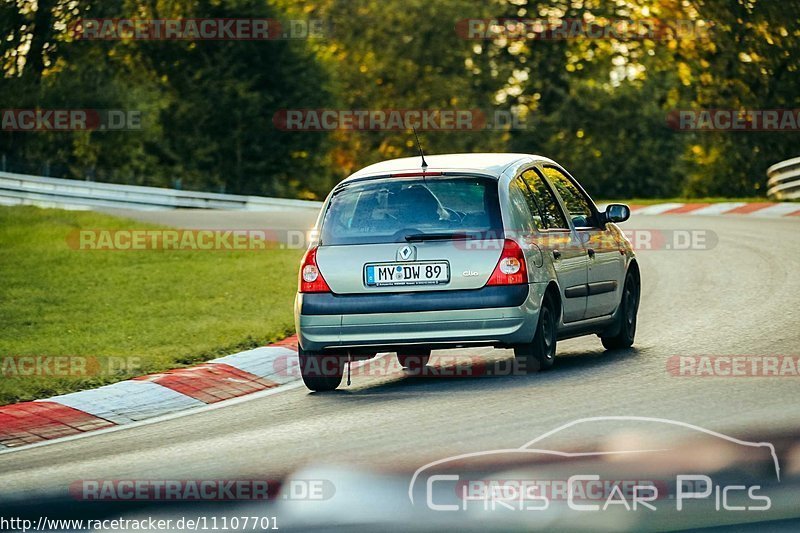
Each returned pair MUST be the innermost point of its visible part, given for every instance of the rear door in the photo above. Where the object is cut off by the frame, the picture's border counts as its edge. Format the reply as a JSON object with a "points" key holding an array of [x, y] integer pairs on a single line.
{"points": [[561, 244], [396, 234], [606, 264]]}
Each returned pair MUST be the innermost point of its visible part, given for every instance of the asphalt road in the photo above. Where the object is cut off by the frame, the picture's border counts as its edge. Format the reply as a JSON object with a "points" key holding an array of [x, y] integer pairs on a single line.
{"points": [[738, 298]]}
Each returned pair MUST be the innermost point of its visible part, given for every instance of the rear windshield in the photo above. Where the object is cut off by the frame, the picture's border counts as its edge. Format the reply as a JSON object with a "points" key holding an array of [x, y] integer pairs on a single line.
{"points": [[390, 209]]}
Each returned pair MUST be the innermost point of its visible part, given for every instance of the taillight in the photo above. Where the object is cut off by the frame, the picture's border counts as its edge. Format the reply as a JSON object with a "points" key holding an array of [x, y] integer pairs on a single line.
{"points": [[311, 279], [511, 268]]}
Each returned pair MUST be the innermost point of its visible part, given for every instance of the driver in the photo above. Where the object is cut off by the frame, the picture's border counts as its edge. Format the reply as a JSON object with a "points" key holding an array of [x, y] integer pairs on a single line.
{"points": [[417, 204]]}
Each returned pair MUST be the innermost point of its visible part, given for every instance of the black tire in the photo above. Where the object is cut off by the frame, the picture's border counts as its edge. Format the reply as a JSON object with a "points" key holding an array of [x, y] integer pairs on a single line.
{"points": [[541, 353], [413, 359], [321, 372], [629, 309]]}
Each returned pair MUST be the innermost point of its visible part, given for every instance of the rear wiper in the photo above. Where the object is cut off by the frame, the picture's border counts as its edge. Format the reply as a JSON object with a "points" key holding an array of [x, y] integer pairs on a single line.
{"points": [[439, 237]]}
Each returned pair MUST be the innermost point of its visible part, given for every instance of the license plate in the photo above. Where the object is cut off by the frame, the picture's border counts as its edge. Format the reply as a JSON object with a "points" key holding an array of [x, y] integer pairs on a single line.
{"points": [[421, 273]]}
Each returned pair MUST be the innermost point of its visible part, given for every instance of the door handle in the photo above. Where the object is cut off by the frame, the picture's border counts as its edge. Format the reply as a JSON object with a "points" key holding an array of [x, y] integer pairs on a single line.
{"points": [[556, 254], [591, 253]]}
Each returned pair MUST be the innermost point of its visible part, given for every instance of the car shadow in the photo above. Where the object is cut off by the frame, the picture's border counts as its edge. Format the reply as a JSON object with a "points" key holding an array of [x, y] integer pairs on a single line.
{"points": [[447, 373]]}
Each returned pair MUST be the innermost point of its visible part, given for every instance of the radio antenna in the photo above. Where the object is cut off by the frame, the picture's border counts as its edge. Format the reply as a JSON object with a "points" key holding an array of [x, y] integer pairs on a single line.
{"points": [[419, 147]]}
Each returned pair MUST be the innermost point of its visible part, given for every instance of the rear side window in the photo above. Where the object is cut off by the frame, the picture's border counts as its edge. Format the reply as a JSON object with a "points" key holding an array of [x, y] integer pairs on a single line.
{"points": [[521, 190], [387, 210], [577, 204], [544, 198], [519, 199]]}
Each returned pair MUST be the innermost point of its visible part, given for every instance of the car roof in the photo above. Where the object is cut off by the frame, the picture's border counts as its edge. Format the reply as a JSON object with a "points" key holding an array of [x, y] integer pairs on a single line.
{"points": [[491, 164]]}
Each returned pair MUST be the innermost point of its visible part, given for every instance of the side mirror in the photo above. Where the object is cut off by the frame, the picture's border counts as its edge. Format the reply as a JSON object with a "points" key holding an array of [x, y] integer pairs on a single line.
{"points": [[617, 213]]}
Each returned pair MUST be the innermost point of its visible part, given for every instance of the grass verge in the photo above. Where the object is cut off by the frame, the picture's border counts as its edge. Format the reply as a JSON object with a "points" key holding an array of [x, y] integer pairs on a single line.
{"points": [[118, 314]]}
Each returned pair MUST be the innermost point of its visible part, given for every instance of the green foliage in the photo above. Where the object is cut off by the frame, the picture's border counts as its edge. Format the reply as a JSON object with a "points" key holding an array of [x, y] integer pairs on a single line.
{"points": [[600, 106]]}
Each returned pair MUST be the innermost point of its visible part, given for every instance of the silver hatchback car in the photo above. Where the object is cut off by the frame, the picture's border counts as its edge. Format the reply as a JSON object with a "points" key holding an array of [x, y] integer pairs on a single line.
{"points": [[503, 250]]}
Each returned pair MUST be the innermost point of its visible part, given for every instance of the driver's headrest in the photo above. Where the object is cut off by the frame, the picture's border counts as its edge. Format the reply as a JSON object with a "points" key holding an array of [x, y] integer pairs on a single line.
{"points": [[416, 197]]}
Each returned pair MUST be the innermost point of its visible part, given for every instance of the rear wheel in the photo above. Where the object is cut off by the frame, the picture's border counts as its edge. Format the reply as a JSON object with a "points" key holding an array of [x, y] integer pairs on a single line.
{"points": [[629, 308], [541, 353], [413, 359], [321, 372]]}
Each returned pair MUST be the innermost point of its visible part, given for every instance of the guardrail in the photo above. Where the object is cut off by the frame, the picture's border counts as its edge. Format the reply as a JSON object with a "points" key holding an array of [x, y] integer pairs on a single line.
{"points": [[784, 180], [21, 189]]}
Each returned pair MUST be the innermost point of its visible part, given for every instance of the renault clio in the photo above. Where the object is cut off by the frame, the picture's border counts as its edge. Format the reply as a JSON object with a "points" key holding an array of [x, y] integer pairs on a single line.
{"points": [[503, 250]]}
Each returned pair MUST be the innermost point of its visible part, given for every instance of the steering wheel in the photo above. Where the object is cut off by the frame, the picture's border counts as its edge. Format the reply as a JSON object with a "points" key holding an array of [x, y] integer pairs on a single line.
{"points": [[454, 216]]}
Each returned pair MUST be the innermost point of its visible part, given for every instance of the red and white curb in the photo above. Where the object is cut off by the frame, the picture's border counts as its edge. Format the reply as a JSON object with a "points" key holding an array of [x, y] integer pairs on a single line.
{"points": [[760, 209], [149, 396]]}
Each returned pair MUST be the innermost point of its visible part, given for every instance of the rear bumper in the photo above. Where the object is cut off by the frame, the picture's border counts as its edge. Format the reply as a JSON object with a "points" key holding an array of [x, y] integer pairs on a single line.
{"points": [[412, 302], [492, 315]]}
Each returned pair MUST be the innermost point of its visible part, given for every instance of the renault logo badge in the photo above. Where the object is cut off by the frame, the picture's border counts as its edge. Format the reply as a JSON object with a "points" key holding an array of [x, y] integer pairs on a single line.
{"points": [[406, 253]]}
